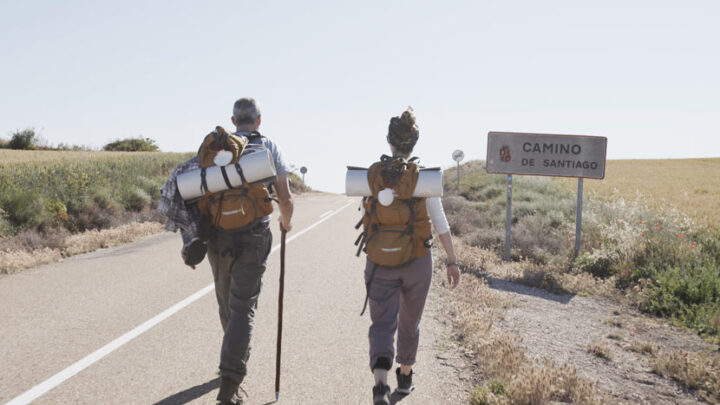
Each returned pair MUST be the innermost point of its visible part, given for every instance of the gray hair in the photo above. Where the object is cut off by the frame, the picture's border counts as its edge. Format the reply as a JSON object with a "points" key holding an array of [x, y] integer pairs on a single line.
{"points": [[246, 111]]}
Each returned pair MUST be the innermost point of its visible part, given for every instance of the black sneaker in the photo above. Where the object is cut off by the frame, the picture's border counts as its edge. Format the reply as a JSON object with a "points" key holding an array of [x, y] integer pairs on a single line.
{"points": [[381, 394], [404, 382]]}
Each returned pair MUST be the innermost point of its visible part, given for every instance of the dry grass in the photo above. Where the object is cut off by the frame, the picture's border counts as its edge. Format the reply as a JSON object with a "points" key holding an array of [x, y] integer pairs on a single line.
{"points": [[695, 371], [15, 260], [641, 348], [600, 350], [690, 185], [614, 322], [512, 377]]}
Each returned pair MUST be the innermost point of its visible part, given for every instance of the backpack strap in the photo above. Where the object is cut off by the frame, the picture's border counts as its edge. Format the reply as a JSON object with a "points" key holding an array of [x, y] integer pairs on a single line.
{"points": [[203, 181], [225, 177], [362, 239], [367, 288], [239, 170]]}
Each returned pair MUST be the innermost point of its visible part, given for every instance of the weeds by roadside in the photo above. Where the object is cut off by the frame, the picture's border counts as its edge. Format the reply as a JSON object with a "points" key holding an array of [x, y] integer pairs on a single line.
{"points": [[664, 262], [511, 376], [694, 371]]}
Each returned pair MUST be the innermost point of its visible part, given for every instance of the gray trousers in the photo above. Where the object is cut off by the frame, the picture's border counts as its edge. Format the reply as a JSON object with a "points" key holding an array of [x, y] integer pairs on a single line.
{"points": [[397, 299], [238, 264]]}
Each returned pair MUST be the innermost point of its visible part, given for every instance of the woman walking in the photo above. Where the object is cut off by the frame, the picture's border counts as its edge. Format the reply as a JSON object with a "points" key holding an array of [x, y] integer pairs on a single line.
{"points": [[399, 262]]}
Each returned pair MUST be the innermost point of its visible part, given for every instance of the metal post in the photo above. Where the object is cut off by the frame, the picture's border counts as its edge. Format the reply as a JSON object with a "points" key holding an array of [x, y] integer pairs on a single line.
{"points": [[303, 178], [508, 217], [458, 175], [578, 217]]}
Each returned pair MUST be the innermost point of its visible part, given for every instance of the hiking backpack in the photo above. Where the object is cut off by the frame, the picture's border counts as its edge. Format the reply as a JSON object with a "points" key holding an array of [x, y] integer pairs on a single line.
{"points": [[398, 233], [236, 208]]}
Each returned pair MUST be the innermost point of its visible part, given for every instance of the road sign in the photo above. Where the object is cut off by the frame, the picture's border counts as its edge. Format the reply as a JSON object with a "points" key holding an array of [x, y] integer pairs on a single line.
{"points": [[303, 170], [458, 155], [546, 155]]}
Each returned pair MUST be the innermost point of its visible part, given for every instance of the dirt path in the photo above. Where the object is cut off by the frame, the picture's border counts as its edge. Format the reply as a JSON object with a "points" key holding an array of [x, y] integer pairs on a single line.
{"points": [[563, 327]]}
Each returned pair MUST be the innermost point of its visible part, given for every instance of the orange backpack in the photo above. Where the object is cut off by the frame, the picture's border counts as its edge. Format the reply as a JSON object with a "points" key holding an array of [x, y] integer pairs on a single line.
{"points": [[237, 208], [398, 233]]}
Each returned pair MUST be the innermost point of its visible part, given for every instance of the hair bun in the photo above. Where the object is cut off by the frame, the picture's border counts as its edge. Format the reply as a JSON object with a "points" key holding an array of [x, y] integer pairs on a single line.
{"points": [[403, 132], [408, 117]]}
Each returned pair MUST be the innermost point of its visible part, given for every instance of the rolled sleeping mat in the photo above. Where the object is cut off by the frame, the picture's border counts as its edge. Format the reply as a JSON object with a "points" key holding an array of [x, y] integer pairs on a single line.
{"points": [[429, 183], [257, 166]]}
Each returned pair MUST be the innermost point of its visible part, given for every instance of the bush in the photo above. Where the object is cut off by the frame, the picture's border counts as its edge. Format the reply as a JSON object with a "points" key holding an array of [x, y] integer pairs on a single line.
{"points": [[138, 144], [26, 209], [24, 139], [296, 184]]}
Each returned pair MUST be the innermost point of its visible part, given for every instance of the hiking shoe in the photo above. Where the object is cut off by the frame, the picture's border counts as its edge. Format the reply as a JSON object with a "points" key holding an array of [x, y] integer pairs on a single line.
{"points": [[381, 394], [404, 382], [228, 393]]}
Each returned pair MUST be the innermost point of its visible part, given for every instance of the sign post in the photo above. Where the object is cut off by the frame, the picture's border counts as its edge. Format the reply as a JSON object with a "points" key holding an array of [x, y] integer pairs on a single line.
{"points": [[458, 156], [303, 170], [578, 217], [508, 217], [546, 155]]}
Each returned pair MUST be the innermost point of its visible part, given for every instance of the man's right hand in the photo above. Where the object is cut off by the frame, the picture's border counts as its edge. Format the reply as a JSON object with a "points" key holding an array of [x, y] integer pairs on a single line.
{"points": [[284, 225]]}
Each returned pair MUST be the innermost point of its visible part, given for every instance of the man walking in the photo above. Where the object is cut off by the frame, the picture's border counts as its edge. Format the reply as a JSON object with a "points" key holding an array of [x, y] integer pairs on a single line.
{"points": [[237, 258]]}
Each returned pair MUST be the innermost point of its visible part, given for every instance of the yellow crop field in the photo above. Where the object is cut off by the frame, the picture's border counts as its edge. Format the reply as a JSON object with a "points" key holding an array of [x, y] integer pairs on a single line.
{"points": [[690, 185]]}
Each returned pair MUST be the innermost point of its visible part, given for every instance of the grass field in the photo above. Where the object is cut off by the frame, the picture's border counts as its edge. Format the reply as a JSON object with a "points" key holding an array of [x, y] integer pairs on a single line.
{"points": [[690, 185], [9, 156], [59, 203]]}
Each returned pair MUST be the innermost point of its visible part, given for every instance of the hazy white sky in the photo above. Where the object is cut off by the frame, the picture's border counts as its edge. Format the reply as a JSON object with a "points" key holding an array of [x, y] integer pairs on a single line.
{"points": [[329, 75]]}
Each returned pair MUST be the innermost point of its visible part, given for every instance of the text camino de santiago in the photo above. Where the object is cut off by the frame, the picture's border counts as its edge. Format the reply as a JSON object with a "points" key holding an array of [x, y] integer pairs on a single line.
{"points": [[558, 149]]}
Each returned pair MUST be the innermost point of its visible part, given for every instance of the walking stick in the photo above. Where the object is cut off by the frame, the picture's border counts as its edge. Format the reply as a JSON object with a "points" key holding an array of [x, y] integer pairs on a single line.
{"points": [[280, 313]]}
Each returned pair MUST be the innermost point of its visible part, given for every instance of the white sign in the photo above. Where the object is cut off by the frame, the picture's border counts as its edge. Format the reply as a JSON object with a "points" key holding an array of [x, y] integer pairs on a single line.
{"points": [[458, 155], [546, 155]]}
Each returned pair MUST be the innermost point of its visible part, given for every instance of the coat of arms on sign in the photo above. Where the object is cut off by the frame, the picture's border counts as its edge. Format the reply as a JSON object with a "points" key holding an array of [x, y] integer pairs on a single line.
{"points": [[505, 153]]}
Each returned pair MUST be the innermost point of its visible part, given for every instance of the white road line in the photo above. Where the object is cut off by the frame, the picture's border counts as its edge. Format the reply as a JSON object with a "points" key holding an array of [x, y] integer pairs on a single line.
{"points": [[52, 382], [325, 213]]}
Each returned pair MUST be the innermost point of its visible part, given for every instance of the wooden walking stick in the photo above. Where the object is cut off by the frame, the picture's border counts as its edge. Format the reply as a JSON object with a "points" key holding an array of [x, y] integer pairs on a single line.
{"points": [[280, 313]]}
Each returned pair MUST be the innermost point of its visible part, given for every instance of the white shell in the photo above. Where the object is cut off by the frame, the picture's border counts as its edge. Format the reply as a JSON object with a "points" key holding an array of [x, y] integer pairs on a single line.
{"points": [[386, 197], [223, 158]]}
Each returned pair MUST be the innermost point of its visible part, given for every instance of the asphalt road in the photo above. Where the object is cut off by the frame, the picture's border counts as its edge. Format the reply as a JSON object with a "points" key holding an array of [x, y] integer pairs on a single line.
{"points": [[64, 327]]}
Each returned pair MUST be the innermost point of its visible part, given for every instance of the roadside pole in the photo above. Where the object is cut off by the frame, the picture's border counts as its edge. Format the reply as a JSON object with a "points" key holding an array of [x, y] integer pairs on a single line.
{"points": [[508, 217], [457, 156], [578, 217]]}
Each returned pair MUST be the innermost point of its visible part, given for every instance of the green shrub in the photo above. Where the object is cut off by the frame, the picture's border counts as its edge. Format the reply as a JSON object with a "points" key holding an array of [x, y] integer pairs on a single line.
{"points": [[138, 144], [24, 139], [26, 209]]}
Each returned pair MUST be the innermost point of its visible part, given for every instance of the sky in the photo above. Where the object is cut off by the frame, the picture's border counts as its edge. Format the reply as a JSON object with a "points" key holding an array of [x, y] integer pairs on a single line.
{"points": [[330, 74]]}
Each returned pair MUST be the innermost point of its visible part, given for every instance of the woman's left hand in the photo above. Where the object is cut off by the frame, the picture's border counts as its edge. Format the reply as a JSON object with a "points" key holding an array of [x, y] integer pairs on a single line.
{"points": [[453, 275]]}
